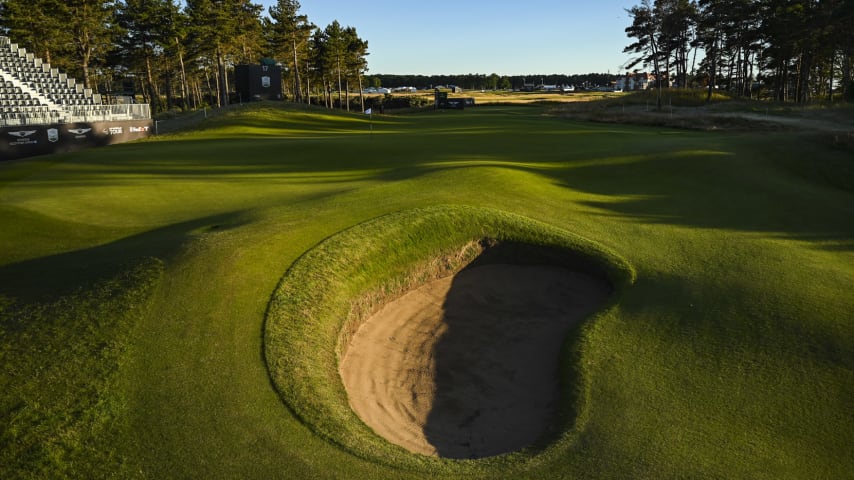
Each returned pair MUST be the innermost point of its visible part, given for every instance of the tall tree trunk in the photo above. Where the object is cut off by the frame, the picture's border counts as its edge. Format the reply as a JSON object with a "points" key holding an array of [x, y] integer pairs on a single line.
{"points": [[222, 83], [656, 66], [297, 92], [347, 92], [213, 89], [170, 98], [730, 69], [146, 94], [197, 89], [667, 68], [787, 91], [749, 72], [154, 98], [830, 77], [87, 53], [713, 68], [804, 78], [798, 78], [686, 51], [694, 61], [185, 90], [338, 68], [361, 94], [327, 92], [225, 83], [847, 83]]}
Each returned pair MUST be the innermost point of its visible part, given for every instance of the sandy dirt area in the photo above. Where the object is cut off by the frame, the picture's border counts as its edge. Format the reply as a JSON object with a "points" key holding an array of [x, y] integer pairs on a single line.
{"points": [[466, 366]]}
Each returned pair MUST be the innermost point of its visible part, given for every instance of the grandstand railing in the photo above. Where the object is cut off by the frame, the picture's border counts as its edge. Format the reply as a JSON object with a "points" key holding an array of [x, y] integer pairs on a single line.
{"points": [[76, 114]]}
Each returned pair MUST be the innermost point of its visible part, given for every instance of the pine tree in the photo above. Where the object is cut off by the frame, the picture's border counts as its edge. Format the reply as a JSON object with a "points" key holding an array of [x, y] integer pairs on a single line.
{"points": [[248, 31], [356, 61], [289, 34], [145, 35], [176, 27], [36, 25], [646, 32], [89, 24], [319, 64], [221, 29], [676, 20], [335, 50], [210, 27]]}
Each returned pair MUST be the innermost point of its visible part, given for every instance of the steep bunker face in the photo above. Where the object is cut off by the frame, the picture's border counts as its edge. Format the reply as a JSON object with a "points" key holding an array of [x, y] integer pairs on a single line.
{"points": [[467, 366], [449, 331]]}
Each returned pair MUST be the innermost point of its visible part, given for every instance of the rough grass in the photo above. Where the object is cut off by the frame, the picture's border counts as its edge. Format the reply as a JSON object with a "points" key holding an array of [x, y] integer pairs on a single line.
{"points": [[61, 367], [691, 109], [730, 357]]}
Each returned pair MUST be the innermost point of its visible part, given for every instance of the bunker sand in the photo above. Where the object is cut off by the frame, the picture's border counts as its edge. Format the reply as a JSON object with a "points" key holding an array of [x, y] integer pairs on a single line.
{"points": [[467, 366]]}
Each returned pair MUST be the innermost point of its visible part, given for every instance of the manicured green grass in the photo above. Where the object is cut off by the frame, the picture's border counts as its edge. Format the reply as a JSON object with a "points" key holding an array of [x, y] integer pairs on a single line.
{"points": [[732, 355]]}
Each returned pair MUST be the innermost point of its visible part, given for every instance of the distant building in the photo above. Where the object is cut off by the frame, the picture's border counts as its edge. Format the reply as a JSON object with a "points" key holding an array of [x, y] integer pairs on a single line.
{"points": [[639, 81], [528, 87]]}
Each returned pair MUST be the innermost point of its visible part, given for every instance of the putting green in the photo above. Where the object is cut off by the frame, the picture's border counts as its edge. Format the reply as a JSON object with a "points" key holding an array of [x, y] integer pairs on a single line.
{"points": [[323, 300]]}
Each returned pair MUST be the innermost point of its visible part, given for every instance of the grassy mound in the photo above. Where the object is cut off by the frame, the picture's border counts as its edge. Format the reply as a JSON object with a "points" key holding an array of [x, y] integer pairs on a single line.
{"points": [[329, 291]]}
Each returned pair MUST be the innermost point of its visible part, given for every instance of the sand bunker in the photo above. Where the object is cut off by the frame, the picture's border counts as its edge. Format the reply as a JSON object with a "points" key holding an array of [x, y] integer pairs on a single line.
{"points": [[466, 366]]}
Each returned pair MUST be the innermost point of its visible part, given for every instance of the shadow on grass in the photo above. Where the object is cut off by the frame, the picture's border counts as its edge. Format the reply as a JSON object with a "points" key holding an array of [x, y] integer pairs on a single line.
{"points": [[765, 184], [714, 191], [54, 276]]}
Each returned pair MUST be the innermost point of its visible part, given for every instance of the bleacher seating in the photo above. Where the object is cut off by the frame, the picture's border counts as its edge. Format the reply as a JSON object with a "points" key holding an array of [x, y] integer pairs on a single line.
{"points": [[33, 92]]}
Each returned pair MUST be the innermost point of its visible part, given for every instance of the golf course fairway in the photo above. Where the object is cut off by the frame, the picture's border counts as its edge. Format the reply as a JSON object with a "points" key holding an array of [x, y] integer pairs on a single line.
{"points": [[143, 288]]}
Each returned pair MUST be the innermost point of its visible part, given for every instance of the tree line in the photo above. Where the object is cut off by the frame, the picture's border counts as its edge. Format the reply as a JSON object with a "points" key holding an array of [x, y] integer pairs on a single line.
{"points": [[793, 50], [479, 81], [182, 56]]}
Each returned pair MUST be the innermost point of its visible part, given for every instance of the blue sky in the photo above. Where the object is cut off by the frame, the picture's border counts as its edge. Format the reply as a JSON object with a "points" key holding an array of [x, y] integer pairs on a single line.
{"points": [[500, 36]]}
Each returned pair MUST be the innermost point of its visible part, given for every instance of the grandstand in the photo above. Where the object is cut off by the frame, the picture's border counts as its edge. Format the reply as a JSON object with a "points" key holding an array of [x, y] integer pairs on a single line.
{"points": [[32, 93]]}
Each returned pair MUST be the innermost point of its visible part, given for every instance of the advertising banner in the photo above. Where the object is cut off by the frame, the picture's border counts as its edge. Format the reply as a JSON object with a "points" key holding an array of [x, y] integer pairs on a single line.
{"points": [[30, 140]]}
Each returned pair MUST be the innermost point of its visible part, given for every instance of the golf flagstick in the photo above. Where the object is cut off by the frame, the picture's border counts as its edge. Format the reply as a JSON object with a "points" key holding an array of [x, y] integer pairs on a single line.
{"points": [[370, 112]]}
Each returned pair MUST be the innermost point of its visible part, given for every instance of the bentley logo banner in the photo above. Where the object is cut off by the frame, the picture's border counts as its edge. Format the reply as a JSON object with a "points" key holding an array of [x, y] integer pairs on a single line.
{"points": [[20, 142]]}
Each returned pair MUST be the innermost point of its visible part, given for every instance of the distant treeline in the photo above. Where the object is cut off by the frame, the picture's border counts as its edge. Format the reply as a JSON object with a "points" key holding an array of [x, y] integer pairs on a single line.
{"points": [[477, 81], [793, 50]]}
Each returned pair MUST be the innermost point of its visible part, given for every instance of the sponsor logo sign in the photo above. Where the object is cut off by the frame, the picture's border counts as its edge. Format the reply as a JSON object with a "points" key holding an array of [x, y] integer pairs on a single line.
{"points": [[79, 133], [22, 141], [24, 137]]}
